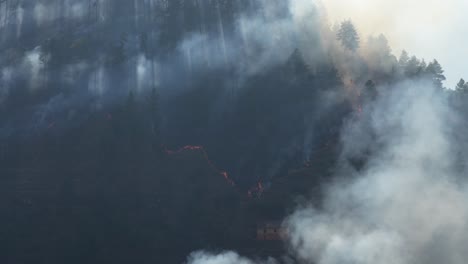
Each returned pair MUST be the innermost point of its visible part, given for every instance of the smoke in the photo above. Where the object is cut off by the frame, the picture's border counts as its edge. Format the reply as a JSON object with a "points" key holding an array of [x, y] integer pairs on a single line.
{"points": [[40, 13], [408, 203], [259, 42], [32, 61], [432, 29], [224, 258], [247, 44], [46, 12], [66, 57]]}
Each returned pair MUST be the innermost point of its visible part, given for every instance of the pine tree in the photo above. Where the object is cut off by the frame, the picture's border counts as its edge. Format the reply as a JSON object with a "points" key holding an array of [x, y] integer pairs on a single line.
{"points": [[348, 36], [297, 64], [413, 67], [434, 69], [379, 46], [423, 66], [462, 86], [404, 59]]}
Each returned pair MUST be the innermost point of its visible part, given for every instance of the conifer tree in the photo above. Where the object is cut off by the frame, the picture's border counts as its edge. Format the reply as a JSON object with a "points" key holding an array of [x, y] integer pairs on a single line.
{"points": [[348, 36]]}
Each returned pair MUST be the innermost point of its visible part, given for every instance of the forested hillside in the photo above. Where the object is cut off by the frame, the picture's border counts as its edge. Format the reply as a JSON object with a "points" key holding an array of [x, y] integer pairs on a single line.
{"points": [[137, 131]]}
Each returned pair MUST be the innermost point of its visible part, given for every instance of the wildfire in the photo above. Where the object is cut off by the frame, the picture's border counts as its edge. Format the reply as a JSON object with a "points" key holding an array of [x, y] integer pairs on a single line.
{"points": [[205, 155], [253, 192], [186, 148], [256, 191]]}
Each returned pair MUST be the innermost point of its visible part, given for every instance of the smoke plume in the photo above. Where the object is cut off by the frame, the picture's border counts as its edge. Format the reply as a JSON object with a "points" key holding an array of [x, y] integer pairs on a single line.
{"points": [[407, 205], [224, 258]]}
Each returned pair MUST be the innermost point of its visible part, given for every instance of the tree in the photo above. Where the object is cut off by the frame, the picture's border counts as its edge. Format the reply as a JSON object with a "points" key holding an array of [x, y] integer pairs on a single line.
{"points": [[413, 67], [297, 64], [380, 46], [117, 52], [462, 86], [348, 36], [423, 66], [379, 57], [404, 59], [434, 69]]}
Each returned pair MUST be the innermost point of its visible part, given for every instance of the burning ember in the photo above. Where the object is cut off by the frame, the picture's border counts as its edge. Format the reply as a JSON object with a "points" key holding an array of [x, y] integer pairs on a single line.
{"points": [[273, 231], [205, 155], [256, 191]]}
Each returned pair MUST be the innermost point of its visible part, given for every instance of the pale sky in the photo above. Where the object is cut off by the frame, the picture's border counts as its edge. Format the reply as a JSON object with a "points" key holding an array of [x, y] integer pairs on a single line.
{"points": [[426, 28]]}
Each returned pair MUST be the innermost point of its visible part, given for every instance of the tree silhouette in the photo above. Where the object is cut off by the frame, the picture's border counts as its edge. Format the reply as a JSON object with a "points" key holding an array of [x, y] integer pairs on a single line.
{"points": [[348, 36], [297, 64], [434, 69], [404, 59], [413, 67], [462, 86]]}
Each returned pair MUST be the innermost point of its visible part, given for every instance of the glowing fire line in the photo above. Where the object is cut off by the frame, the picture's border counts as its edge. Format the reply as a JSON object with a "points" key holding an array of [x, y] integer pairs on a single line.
{"points": [[205, 155], [257, 190]]}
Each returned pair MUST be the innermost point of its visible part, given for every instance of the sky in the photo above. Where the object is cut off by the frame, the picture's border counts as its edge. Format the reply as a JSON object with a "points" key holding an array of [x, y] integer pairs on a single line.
{"points": [[429, 29]]}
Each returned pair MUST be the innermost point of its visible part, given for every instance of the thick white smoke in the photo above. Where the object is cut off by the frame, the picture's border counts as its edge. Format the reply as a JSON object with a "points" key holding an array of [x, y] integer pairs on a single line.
{"points": [[223, 258], [407, 205]]}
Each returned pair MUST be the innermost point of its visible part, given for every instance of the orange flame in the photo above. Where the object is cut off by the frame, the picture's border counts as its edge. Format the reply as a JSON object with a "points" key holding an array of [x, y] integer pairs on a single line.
{"points": [[205, 155], [256, 191]]}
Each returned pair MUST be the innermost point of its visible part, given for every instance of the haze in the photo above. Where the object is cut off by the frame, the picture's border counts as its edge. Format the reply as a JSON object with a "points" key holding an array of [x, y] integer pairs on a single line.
{"points": [[428, 29]]}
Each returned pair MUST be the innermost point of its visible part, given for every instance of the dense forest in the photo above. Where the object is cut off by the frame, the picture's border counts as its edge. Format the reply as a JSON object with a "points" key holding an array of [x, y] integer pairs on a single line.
{"points": [[138, 131]]}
